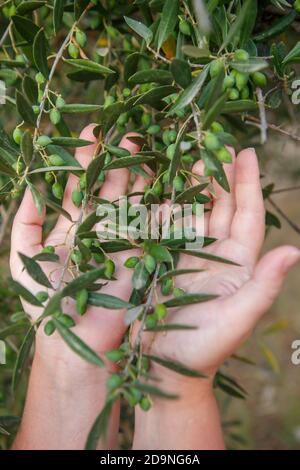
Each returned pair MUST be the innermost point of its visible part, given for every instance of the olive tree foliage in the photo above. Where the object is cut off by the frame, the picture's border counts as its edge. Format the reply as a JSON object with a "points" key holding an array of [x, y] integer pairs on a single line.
{"points": [[188, 76]]}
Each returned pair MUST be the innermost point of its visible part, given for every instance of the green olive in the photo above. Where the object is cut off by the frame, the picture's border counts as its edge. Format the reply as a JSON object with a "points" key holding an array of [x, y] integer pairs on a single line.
{"points": [[57, 190], [211, 141], [241, 55]]}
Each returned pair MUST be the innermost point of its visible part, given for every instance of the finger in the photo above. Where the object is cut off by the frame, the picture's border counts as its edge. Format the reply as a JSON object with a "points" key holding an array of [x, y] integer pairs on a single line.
{"points": [[116, 181], [223, 204], [248, 225], [138, 187], [198, 169], [245, 308], [26, 234], [84, 156]]}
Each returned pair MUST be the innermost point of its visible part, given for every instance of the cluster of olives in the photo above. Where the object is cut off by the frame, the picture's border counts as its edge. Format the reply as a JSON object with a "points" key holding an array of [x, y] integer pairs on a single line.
{"points": [[237, 84], [213, 143], [78, 41]]}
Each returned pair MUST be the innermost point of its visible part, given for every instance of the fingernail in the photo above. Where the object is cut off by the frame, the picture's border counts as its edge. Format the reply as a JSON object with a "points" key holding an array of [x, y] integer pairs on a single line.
{"points": [[291, 259], [252, 149]]}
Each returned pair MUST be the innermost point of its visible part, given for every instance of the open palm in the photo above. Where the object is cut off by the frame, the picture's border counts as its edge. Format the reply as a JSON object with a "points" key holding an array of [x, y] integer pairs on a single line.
{"points": [[237, 221], [100, 328]]}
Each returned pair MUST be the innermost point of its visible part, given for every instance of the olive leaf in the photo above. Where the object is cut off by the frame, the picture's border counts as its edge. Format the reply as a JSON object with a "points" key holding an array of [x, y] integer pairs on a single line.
{"points": [[40, 48], [169, 18], [99, 427], [35, 271], [140, 28], [107, 301], [23, 356], [175, 366]]}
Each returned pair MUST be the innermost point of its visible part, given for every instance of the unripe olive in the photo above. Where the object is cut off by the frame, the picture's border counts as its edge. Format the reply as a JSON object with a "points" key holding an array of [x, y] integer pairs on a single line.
{"points": [[166, 138], [49, 328], [98, 257], [115, 355], [154, 129], [60, 102], [297, 6], [145, 404], [73, 51], [224, 155], [245, 93], [216, 127], [57, 190], [145, 363], [171, 151], [112, 32], [158, 188], [146, 119], [151, 321], [56, 160], [150, 263], [188, 159], [166, 286], [241, 80], [77, 197], [82, 181], [131, 262], [126, 92], [39, 78], [55, 116], [42, 296], [109, 100], [216, 66], [17, 135], [234, 94], [76, 257], [81, 38], [15, 193], [114, 381], [211, 141], [48, 249], [87, 242], [172, 136], [101, 177], [66, 320], [259, 79], [178, 292], [109, 268], [81, 301], [18, 167], [178, 183], [21, 58], [160, 311], [43, 141], [185, 27], [241, 55], [123, 119], [49, 177], [228, 82], [36, 109]]}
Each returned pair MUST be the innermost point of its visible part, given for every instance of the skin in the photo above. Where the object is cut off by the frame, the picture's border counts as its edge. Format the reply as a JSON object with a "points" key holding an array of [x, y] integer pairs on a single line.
{"points": [[65, 382]]}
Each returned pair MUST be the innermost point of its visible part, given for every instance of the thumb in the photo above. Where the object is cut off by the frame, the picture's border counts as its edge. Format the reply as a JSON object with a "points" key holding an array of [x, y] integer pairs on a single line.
{"points": [[26, 234], [257, 295]]}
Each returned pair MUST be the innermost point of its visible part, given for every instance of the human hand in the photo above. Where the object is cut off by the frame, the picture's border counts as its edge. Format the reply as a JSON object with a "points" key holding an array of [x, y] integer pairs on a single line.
{"points": [[237, 221]]}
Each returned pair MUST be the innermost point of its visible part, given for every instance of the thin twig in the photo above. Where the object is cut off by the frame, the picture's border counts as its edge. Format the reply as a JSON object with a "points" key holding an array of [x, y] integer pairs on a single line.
{"points": [[256, 122], [285, 190], [5, 34], [284, 216], [263, 117]]}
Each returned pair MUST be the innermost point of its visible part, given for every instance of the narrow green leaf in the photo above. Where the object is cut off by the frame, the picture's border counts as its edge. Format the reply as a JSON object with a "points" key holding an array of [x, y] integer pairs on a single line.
{"points": [[25, 27], [57, 208], [12, 330], [49, 257], [77, 345], [140, 276], [24, 293], [79, 108], [254, 64], [37, 199], [239, 106], [237, 26], [190, 93], [168, 21], [99, 428], [175, 366], [24, 109], [30, 89], [5, 167], [179, 272], [70, 142], [58, 11], [23, 356], [189, 194], [164, 77], [94, 170], [27, 147], [155, 95], [108, 301], [139, 28], [126, 162], [171, 327], [151, 390], [176, 157], [189, 299], [295, 52], [277, 27], [28, 6], [40, 50], [89, 66], [83, 281], [160, 253], [79, 7], [35, 271], [214, 111], [204, 255], [181, 72]]}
